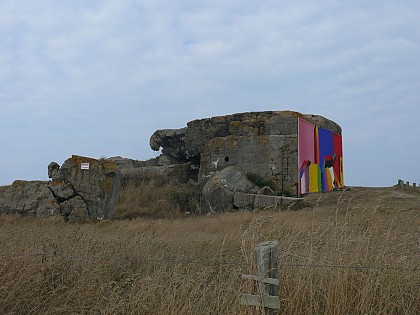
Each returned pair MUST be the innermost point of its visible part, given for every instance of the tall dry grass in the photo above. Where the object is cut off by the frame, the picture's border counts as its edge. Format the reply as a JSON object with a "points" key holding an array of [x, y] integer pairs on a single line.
{"points": [[192, 265], [158, 196]]}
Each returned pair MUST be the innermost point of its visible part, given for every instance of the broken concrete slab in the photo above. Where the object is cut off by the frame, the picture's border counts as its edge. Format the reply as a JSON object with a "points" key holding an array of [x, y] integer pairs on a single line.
{"points": [[219, 191]]}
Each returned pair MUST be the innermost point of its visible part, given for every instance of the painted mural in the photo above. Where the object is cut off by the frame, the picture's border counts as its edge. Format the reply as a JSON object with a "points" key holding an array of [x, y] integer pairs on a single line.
{"points": [[320, 159]]}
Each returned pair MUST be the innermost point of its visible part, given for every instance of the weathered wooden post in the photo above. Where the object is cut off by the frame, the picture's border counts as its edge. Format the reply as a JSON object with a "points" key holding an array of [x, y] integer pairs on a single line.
{"points": [[266, 255]]}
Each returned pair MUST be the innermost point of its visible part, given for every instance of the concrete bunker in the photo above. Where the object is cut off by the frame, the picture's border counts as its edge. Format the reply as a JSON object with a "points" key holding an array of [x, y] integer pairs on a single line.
{"points": [[245, 160], [290, 149]]}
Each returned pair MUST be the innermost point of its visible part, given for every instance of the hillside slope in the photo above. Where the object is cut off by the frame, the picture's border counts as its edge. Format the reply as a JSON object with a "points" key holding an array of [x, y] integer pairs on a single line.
{"points": [[383, 199]]}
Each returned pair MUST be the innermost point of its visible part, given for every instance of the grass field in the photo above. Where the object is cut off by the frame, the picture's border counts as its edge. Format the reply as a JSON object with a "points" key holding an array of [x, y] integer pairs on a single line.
{"points": [[192, 264]]}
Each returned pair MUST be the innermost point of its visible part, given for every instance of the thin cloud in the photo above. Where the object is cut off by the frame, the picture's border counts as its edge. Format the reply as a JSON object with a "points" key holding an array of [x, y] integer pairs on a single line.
{"points": [[118, 70]]}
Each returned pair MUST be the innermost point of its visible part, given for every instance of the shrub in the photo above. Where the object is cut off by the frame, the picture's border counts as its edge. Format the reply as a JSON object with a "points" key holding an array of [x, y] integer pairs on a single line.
{"points": [[260, 181]]}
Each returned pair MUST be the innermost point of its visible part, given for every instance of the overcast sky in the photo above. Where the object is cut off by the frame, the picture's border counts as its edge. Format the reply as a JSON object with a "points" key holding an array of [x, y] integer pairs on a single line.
{"points": [[97, 78]]}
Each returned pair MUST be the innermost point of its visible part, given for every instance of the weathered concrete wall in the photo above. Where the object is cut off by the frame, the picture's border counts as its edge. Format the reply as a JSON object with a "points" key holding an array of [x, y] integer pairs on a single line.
{"points": [[265, 143], [180, 172], [199, 132], [268, 149], [273, 157], [134, 171]]}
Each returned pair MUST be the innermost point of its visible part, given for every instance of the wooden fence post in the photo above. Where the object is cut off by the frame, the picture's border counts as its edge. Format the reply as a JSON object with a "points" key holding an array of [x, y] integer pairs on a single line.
{"points": [[266, 255]]}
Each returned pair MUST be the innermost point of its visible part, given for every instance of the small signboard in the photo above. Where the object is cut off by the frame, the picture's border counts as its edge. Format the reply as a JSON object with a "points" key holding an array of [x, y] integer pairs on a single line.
{"points": [[84, 166]]}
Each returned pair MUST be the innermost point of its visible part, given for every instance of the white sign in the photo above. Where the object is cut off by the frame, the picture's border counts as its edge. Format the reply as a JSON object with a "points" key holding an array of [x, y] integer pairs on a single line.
{"points": [[84, 166]]}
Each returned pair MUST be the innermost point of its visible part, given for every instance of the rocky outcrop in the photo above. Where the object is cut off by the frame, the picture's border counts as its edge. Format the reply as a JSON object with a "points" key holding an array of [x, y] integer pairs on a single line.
{"points": [[53, 167], [29, 198], [96, 182], [82, 188], [74, 209], [173, 143], [3, 190]]}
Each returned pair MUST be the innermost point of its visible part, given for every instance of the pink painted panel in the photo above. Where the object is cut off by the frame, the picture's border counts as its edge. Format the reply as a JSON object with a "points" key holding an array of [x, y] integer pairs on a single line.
{"points": [[306, 142]]}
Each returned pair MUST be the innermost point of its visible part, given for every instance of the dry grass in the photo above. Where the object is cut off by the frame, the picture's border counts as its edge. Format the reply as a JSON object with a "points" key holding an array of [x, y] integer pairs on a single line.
{"points": [[158, 196], [192, 265]]}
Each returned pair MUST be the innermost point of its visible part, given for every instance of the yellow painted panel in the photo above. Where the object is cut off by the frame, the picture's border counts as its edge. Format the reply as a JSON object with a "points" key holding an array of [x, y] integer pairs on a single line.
{"points": [[329, 179], [313, 178]]}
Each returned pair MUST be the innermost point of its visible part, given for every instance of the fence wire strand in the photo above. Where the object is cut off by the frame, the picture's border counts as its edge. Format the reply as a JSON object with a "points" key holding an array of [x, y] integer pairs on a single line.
{"points": [[205, 262]]}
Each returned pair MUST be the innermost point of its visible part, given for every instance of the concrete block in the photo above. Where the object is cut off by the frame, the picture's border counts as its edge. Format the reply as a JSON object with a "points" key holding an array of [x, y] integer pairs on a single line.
{"points": [[242, 200], [263, 201]]}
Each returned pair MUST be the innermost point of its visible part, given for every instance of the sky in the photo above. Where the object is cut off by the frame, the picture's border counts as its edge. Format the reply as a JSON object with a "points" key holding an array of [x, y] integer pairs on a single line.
{"points": [[97, 78]]}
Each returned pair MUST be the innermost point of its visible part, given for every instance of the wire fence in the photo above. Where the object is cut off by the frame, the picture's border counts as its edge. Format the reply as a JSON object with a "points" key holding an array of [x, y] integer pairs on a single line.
{"points": [[220, 261]]}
